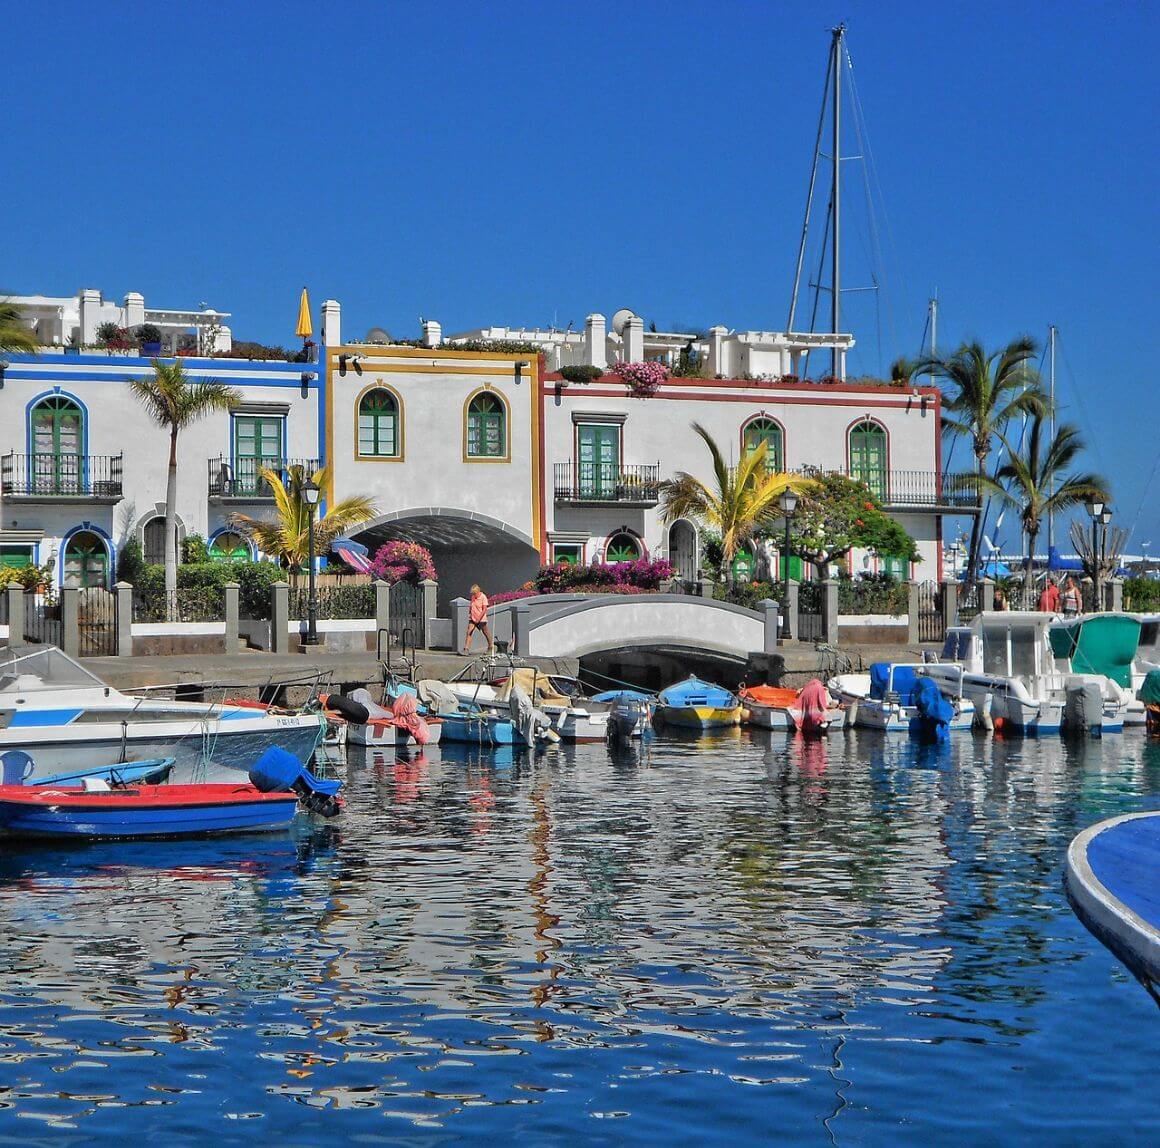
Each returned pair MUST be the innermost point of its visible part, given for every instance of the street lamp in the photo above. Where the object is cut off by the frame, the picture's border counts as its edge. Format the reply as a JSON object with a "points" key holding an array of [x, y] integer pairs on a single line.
{"points": [[788, 502], [311, 492], [1095, 508]]}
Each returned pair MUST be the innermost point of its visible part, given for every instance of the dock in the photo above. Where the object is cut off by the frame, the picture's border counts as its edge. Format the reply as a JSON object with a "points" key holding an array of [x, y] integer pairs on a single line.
{"points": [[1113, 881]]}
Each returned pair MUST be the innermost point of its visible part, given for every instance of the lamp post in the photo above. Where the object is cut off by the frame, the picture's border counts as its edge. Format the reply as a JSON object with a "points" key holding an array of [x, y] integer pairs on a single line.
{"points": [[1105, 518], [1095, 508], [788, 503], [311, 492]]}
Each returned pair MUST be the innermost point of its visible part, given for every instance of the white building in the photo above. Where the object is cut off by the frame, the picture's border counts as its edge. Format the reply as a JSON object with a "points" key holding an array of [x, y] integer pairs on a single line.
{"points": [[491, 458]]}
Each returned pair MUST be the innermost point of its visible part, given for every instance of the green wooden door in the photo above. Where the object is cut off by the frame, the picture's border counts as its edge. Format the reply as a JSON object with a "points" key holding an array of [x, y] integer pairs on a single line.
{"points": [[86, 561], [598, 460], [56, 446], [257, 444], [868, 457]]}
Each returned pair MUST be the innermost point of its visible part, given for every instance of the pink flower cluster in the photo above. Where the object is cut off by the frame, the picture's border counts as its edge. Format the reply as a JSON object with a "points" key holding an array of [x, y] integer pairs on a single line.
{"points": [[641, 378], [403, 562]]}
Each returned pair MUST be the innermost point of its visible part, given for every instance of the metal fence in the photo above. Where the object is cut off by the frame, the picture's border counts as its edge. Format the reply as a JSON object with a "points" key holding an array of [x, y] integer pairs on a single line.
{"points": [[931, 624], [407, 613], [73, 475], [185, 604], [811, 612], [42, 623], [356, 601], [97, 619]]}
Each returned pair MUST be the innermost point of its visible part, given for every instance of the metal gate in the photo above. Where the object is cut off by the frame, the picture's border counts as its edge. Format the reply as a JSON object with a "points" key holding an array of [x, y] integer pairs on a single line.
{"points": [[407, 613], [931, 623], [42, 619], [97, 615]]}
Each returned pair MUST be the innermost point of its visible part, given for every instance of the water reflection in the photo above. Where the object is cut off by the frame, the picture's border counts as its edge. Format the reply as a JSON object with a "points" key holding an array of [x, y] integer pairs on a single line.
{"points": [[658, 933]]}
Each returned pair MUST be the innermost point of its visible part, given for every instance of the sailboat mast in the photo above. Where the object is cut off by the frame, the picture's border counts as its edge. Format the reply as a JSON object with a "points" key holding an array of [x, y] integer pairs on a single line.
{"points": [[836, 200], [1051, 361]]}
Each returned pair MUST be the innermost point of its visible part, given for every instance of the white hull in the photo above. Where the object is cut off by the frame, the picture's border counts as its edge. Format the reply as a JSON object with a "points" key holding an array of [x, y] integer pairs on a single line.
{"points": [[385, 733], [779, 718]]}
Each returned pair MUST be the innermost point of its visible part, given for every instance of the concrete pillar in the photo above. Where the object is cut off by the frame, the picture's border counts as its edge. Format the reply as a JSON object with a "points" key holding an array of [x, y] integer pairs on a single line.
{"points": [[382, 605], [912, 608], [90, 314], [791, 610], [432, 333], [70, 618], [707, 584], [430, 590], [830, 611], [987, 594], [717, 363], [232, 591], [950, 603], [595, 341], [280, 618], [459, 615], [632, 350], [1116, 594], [521, 627], [15, 616], [332, 323], [124, 619], [134, 309], [772, 621]]}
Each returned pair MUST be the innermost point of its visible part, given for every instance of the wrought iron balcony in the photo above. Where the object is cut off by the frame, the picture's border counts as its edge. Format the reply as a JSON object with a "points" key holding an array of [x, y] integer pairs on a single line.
{"points": [[242, 479], [62, 477], [928, 489], [602, 484]]}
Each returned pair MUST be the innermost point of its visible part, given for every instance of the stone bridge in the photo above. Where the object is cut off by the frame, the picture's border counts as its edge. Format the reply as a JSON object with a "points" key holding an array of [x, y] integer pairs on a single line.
{"points": [[573, 625]]}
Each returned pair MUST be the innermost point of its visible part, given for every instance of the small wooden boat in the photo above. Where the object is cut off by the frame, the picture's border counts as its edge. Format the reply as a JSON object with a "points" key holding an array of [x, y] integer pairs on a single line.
{"points": [[779, 708], [696, 704], [96, 810], [19, 768]]}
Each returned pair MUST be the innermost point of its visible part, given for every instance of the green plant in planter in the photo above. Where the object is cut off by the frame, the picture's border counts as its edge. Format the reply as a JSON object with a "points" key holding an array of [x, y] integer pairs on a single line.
{"points": [[149, 334], [580, 373]]}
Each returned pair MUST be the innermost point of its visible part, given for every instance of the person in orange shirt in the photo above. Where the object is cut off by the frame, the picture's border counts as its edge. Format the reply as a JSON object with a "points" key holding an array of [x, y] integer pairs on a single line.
{"points": [[1049, 598], [477, 620]]}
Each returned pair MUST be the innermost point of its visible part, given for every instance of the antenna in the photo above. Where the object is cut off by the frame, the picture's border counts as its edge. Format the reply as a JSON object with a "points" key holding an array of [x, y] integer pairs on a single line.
{"points": [[621, 318]]}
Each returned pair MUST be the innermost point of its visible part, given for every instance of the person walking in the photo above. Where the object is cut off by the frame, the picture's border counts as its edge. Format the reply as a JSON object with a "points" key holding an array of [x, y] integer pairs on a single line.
{"points": [[1071, 600], [477, 620], [1049, 598]]}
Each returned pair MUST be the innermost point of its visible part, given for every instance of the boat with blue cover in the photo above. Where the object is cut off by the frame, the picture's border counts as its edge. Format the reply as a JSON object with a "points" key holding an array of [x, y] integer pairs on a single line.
{"points": [[697, 704], [17, 768], [630, 712], [99, 809], [887, 698], [1113, 882]]}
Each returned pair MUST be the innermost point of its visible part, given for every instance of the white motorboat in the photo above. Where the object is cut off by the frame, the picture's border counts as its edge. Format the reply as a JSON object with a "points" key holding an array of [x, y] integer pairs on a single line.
{"points": [[884, 699], [573, 717], [64, 717], [1007, 667]]}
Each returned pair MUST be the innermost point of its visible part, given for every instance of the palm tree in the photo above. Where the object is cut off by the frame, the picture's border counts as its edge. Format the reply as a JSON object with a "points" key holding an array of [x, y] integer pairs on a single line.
{"points": [[287, 536], [15, 334], [1037, 482], [738, 503], [175, 402], [988, 390]]}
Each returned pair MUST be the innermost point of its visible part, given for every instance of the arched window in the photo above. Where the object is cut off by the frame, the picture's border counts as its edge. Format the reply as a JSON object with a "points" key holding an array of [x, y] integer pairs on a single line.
{"points": [[86, 561], [486, 429], [57, 439], [868, 456], [153, 538], [764, 430], [229, 546], [379, 425], [623, 547]]}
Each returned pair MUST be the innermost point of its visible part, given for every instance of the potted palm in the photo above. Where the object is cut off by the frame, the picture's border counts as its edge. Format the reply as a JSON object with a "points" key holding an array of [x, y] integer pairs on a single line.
{"points": [[149, 340]]}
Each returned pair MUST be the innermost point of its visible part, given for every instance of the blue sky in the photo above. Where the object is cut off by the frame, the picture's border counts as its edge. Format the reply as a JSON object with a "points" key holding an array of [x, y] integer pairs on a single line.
{"points": [[516, 163]]}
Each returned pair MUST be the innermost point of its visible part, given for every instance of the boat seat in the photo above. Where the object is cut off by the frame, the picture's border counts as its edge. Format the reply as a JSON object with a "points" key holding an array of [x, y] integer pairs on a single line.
{"points": [[96, 785]]}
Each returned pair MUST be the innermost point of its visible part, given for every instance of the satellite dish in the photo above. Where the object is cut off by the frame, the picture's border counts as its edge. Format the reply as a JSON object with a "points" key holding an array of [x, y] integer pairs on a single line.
{"points": [[621, 318], [378, 335]]}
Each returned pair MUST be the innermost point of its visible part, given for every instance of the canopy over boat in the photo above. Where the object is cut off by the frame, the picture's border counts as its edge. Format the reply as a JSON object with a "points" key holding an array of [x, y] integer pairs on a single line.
{"points": [[1100, 644], [43, 668]]}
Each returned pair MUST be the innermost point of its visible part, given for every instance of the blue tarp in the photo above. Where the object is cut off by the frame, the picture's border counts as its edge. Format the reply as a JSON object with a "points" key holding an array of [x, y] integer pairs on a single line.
{"points": [[932, 722], [905, 678]]}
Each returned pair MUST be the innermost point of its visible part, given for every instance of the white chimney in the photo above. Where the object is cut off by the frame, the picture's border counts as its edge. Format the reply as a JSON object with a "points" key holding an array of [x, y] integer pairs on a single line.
{"points": [[432, 333], [595, 341], [332, 323]]}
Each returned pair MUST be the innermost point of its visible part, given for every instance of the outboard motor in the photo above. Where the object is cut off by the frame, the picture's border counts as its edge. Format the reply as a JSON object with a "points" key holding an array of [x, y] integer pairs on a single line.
{"points": [[278, 771], [530, 722], [1085, 706], [932, 719]]}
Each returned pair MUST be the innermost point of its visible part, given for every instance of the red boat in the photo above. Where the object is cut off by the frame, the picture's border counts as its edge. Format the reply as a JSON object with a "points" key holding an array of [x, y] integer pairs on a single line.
{"points": [[142, 810]]}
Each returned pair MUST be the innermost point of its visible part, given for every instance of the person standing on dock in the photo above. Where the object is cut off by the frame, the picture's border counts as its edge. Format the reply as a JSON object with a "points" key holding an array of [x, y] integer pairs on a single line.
{"points": [[1071, 600], [1049, 598], [477, 620]]}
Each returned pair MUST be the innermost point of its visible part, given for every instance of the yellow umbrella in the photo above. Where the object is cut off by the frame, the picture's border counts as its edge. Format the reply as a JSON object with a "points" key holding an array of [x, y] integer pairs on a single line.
{"points": [[305, 328]]}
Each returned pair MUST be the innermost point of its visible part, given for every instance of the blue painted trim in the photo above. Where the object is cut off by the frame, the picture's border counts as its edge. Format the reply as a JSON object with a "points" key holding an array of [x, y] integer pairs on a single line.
{"points": [[110, 550], [44, 717], [271, 366], [227, 530], [75, 377]]}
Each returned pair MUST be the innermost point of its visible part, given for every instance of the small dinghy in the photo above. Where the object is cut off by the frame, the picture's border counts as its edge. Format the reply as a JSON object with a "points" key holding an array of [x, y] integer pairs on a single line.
{"points": [[695, 704], [629, 714], [368, 723], [19, 768], [96, 809], [782, 708]]}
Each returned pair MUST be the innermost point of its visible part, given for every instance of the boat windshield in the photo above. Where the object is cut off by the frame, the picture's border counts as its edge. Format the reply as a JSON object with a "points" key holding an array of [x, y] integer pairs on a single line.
{"points": [[46, 668], [1149, 647], [1024, 642]]}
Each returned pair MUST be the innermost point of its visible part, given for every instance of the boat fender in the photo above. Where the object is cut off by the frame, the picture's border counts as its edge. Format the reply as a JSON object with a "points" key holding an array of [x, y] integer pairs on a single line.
{"points": [[347, 708]]}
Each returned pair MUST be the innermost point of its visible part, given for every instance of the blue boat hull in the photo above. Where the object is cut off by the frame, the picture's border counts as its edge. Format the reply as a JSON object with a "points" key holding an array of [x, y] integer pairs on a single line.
{"points": [[130, 823], [477, 730]]}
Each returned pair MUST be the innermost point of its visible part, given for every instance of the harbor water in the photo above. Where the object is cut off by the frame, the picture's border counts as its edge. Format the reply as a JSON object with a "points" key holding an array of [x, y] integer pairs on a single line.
{"points": [[746, 938]]}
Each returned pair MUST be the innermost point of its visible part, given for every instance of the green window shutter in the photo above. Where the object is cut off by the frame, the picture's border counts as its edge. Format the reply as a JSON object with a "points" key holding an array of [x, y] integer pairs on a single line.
{"points": [[566, 553], [598, 459], [486, 428], [257, 445], [763, 430], [378, 425], [622, 548], [57, 435], [868, 457], [16, 557]]}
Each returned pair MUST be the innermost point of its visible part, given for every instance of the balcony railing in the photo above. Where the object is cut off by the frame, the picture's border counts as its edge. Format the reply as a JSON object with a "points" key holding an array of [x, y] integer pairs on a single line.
{"points": [[595, 483], [903, 488], [242, 478], [61, 476]]}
